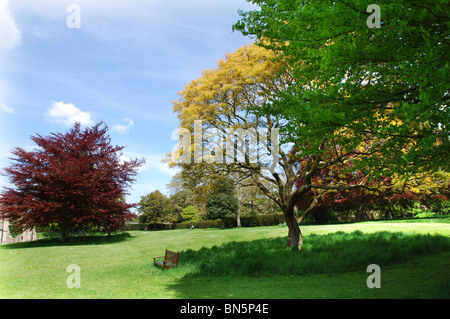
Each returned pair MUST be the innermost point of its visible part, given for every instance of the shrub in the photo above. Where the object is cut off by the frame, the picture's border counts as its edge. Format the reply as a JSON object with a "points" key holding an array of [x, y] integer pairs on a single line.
{"points": [[323, 215], [246, 221], [429, 215], [191, 214], [136, 226], [185, 225], [201, 224], [249, 221], [443, 207], [270, 219], [416, 209], [221, 206], [159, 226]]}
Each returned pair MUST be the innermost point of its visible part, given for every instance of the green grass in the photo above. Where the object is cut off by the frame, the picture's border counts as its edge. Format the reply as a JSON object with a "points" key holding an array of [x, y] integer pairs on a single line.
{"points": [[332, 253], [238, 263]]}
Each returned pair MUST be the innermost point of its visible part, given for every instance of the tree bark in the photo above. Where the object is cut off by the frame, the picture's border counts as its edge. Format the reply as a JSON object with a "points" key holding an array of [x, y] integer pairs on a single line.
{"points": [[295, 238], [238, 218], [63, 232]]}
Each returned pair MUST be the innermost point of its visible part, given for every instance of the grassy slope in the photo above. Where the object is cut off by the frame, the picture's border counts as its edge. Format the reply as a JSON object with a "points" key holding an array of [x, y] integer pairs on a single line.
{"points": [[121, 267]]}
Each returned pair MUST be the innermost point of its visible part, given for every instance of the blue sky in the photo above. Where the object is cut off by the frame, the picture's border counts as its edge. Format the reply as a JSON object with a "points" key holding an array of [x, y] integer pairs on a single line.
{"points": [[124, 65]]}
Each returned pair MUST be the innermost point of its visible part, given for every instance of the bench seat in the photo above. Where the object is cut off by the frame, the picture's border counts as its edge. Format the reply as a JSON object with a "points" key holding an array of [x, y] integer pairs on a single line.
{"points": [[170, 259]]}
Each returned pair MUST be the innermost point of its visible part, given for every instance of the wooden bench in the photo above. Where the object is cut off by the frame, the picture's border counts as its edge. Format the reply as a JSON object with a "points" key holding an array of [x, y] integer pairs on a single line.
{"points": [[169, 260]]}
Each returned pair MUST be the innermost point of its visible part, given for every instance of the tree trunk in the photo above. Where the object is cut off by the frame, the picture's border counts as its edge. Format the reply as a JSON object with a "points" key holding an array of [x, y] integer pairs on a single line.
{"points": [[238, 218], [295, 238], [63, 231]]}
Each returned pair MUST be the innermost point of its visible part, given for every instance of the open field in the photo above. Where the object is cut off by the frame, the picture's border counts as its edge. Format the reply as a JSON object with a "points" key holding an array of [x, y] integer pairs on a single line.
{"points": [[414, 258]]}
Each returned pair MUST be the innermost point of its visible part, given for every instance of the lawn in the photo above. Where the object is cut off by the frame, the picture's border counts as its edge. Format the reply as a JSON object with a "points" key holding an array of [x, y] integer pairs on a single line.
{"points": [[414, 258]]}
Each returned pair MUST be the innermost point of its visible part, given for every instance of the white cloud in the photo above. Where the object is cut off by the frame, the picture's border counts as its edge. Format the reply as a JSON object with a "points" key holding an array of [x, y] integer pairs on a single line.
{"points": [[153, 163], [10, 35], [5, 93], [153, 175], [123, 129], [6, 108], [68, 114]]}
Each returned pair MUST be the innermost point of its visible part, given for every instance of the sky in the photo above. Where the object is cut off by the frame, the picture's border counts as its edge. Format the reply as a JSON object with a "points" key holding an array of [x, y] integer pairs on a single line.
{"points": [[118, 61]]}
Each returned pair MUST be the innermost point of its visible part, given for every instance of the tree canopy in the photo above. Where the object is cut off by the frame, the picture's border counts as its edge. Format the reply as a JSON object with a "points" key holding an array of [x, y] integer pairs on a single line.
{"points": [[156, 208], [343, 95], [71, 181], [353, 81]]}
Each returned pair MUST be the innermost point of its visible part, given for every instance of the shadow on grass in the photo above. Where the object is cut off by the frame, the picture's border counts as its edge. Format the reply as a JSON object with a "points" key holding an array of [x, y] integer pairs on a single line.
{"points": [[332, 253], [329, 266], [74, 241]]}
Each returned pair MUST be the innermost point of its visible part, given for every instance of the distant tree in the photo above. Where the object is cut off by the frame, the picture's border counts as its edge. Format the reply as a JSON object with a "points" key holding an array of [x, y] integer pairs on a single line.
{"points": [[156, 208], [221, 206], [222, 203], [71, 181], [185, 190], [191, 213], [181, 199]]}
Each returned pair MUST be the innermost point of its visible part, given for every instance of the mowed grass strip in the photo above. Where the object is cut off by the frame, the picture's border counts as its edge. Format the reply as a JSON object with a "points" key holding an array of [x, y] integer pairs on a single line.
{"points": [[237, 263]]}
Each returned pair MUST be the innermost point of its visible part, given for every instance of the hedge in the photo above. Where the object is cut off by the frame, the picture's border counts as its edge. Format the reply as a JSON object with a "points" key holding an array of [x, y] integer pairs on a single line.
{"points": [[247, 221], [218, 223], [139, 226]]}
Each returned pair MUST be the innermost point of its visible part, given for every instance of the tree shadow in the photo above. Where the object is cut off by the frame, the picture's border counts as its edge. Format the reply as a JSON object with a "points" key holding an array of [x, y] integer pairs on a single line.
{"points": [[329, 254], [73, 241], [321, 254], [337, 252]]}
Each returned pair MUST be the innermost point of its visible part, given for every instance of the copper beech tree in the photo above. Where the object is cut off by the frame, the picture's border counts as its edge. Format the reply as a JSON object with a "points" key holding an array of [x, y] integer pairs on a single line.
{"points": [[72, 181]]}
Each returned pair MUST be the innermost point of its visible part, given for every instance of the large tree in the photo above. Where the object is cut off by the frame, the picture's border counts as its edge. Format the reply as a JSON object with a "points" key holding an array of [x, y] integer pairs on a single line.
{"points": [[355, 77], [244, 92], [234, 97], [355, 85], [223, 99], [70, 181]]}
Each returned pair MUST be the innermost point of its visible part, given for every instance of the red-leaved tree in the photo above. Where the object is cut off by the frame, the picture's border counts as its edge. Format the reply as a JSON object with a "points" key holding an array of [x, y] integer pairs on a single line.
{"points": [[343, 199], [384, 193], [72, 181]]}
